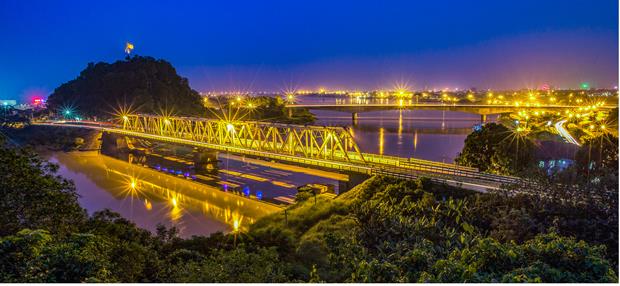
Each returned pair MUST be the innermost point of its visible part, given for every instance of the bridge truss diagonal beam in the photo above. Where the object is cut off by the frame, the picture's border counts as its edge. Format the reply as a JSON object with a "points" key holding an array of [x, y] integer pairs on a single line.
{"points": [[312, 142]]}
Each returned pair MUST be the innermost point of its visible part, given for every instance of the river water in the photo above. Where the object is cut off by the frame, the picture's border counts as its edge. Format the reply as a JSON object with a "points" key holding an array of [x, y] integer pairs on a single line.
{"points": [[243, 191], [424, 134], [148, 197]]}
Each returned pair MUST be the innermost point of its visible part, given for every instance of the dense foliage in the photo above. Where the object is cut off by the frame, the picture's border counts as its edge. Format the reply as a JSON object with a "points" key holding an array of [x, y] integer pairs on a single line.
{"points": [[259, 108], [388, 230], [33, 196], [384, 230], [40, 136], [143, 83], [496, 149], [597, 156]]}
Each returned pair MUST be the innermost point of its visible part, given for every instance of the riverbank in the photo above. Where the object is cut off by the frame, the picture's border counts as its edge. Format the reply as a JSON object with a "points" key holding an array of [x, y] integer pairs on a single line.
{"points": [[42, 138], [148, 197]]}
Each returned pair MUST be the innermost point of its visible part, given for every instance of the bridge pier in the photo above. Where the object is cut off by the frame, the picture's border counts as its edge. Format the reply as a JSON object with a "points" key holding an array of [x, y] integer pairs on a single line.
{"points": [[483, 118], [112, 143], [290, 112], [354, 180], [354, 118], [205, 159]]}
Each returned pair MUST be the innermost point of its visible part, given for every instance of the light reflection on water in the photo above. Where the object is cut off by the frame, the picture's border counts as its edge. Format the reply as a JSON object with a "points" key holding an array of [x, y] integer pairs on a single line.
{"points": [[425, 134], [147, 197]]}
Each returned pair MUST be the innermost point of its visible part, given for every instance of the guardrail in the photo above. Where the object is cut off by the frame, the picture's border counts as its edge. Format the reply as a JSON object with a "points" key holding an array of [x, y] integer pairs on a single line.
{"points": [[374, 164]]}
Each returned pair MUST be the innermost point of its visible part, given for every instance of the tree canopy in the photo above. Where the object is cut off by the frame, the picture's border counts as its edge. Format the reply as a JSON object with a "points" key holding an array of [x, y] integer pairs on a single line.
{"points": [[143, 83], [496, 149], [598, 156], [383, 230], [33, 196]]}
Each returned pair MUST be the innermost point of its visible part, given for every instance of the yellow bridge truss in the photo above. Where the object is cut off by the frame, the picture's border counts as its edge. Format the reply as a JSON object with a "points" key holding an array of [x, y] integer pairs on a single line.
{"points": [[314, 142]]}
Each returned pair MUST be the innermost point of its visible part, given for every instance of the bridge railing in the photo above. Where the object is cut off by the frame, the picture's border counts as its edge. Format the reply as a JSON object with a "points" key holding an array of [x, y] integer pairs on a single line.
{"points": [[329, 143], [354, 161]]}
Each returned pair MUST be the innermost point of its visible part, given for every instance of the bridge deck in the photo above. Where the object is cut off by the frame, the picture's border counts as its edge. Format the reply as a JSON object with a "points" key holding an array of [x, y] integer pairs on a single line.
{"points": [[482, 109], [371, 164]]}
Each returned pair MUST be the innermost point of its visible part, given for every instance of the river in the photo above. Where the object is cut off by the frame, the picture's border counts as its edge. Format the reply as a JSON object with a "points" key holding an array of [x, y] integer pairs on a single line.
{"points": [[242, 191], [424, 134], [148, 197]]}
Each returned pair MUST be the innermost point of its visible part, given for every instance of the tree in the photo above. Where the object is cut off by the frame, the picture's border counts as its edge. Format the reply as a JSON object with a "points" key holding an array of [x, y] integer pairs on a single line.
{"points": [[496, 149], [233, 266], [266, 108], [144, 83], [33, 196], [546, 258], [37, 256], [133, 251], [571, 207], [598, 156]]}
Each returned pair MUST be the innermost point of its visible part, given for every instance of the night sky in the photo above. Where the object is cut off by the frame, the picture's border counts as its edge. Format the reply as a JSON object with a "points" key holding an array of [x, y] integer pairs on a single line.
{"points": [[274, 45]]}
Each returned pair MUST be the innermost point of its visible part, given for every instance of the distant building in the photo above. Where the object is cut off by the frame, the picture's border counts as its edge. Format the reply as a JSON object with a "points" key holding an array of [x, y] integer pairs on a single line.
{"points": [[555, 156], [8, 102], [552, 166]]}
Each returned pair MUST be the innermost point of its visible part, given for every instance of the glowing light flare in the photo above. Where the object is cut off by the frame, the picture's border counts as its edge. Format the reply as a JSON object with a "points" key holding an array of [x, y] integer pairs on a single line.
{"points": [[148, 204], [381, 133], [236, 226], [230, 127], [401, 88], [128, 47]]}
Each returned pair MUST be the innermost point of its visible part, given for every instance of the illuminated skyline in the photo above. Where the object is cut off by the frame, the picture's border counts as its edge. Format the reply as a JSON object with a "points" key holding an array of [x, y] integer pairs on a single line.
{"points": [[346, 45]]}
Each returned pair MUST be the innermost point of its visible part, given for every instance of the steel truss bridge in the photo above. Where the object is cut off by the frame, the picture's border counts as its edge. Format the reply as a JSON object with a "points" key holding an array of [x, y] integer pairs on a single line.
{"points": [[325, 147], [312, 142], [481, 109]]}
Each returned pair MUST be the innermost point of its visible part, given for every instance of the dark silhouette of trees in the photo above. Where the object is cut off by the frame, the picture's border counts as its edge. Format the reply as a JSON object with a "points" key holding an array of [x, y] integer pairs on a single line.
{"points": [[383, 230], [497, 149], [143, 83], [598, 156], [33, 196]]}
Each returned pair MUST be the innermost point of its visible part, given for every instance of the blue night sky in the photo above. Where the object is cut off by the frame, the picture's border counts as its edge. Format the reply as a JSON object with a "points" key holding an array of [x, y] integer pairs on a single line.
{"points": [[273, 45]]}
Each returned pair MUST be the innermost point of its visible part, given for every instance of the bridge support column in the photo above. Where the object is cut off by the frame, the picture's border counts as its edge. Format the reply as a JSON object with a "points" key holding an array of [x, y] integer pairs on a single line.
{"points": [[290, 112], [483, 118], [354, 118], [112, 144], [205, 159], [354, 180]]}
